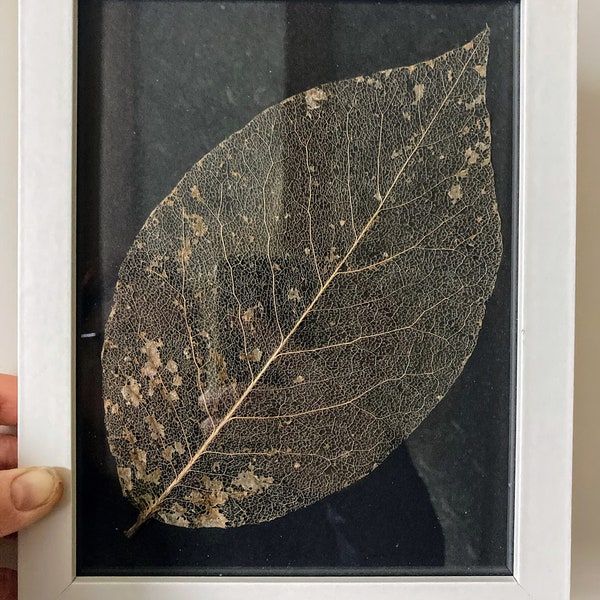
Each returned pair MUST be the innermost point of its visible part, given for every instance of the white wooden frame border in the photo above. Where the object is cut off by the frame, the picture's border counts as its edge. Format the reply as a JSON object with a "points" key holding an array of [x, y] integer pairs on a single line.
{"points": [[545, 329]]}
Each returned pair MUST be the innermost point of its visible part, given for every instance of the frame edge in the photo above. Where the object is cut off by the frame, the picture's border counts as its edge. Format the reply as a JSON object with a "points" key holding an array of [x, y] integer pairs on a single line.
{"points": [[46, 194]]}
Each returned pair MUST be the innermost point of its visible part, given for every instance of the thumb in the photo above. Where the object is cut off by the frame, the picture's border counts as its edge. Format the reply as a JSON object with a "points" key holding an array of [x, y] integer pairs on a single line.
{"points": [[26, 495]]}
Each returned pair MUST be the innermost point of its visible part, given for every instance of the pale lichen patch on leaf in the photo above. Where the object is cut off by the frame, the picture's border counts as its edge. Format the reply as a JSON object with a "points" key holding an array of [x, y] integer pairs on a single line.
{"points": [[176, 516], [250, 482], [220, 363], [197, 224], [455, 193], [152, 385], [314, 97], [248, 315], [476, 101], [252, 356], [210, 498], [124, 474], [185, 251], [293, 294], [147, 499], [471, 156], [195, 193], [167, 453], [375, 82], [131, 393], [154, 476], [138, 458], [332, 255], [212, 518], [156, 262], [481, 70], [156, 428], [152, 352], [419, 90], [129, 436]]}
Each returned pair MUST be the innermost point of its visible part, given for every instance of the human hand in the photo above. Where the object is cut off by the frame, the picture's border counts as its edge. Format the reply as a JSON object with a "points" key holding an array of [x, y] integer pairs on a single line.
{"points": [[26, 495]]}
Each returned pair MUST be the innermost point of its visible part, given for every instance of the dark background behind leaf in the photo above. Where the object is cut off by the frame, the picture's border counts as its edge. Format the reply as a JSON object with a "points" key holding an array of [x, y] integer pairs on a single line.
{"points": [[159, 85]]}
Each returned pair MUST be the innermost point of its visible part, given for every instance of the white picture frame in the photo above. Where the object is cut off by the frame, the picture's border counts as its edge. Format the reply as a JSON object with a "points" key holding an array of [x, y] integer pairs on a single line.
{"points": [[546, 269]]}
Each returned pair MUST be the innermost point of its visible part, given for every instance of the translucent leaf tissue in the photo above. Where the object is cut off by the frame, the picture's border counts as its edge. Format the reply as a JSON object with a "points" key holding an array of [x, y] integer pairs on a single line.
{"points": [[305, 296]]}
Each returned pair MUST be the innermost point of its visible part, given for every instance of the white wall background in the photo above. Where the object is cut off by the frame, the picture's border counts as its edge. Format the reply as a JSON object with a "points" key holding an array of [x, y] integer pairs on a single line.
{"points": [[8, 209], [8, 186], [586, 485], [586, 474]]}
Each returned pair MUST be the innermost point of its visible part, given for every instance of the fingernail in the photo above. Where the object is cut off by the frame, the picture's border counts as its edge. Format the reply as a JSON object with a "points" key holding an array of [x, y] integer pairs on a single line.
{"points": [[33, 488]]}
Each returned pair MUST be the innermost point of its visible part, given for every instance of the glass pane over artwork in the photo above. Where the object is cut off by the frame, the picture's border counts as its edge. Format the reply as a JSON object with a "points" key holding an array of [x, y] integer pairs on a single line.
{"points": [[160, 85]]}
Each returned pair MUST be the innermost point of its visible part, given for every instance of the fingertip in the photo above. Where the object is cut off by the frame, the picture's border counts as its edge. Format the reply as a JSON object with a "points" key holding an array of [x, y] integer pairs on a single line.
{"points": [[27, 495], [34, 488]]}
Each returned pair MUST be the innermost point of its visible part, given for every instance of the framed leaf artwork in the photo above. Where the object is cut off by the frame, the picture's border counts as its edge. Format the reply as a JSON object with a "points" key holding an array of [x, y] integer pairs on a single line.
{"points": [[308, 317]]}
